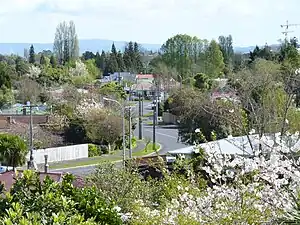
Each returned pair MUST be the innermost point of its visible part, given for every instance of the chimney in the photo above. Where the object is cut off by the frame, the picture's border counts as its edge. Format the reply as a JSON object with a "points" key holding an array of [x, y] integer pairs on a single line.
{"points": [[46, 163]]}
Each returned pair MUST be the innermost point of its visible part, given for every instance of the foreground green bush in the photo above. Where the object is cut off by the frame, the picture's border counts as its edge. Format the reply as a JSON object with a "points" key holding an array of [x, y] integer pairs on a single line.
{"points": [[31, 202]]}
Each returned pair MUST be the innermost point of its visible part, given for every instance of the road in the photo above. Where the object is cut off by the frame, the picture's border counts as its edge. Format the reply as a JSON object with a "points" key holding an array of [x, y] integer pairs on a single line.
{"points": [[166, 135]]}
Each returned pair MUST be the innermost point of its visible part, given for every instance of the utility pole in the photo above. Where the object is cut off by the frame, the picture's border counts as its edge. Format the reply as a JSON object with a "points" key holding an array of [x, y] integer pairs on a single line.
{"points": [[155, 110], [140, 119], [154, 123], [130, 148], [156, 100], [287, 26], [30, 163], [119, 77]]}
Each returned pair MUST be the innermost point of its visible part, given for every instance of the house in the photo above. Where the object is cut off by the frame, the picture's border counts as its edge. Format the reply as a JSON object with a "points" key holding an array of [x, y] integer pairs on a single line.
{"points": [[9, 178], [236, 145], [119, 76], [144, 85]]}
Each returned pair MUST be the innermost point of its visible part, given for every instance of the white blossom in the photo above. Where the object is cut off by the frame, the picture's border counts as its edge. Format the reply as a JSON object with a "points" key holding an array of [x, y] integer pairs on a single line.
{"points": [[274, 180], [34, 72], [79, 70], [197, 130]]}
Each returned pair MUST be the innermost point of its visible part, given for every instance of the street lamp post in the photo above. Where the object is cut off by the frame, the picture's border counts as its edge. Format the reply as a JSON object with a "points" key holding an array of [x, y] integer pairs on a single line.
{"points": [[123, 126]]}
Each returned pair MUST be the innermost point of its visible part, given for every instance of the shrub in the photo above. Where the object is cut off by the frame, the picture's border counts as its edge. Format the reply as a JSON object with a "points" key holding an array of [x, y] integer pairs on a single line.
{"points": [[94, 150], [104, 149], [133, 141], [32, 201]]}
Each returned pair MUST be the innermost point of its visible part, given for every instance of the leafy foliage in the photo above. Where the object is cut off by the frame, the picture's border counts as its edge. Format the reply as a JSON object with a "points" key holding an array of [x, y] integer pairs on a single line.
{"points": [[13, 150], [32, 201], [112, 90]]}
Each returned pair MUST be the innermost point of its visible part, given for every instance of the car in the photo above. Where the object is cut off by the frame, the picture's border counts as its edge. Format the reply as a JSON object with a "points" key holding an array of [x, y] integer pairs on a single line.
{"points": [[151, 106], [4, 169]]}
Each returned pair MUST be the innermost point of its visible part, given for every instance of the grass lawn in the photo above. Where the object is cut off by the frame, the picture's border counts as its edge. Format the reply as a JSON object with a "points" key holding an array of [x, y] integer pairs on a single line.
{"points": [[85, 162], [147, 150], [150, 123], [148, 114]]}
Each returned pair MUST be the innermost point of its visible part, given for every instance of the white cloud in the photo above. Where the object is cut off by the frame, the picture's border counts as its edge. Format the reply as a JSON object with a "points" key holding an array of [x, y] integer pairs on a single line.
{"points": [[249, 21]]}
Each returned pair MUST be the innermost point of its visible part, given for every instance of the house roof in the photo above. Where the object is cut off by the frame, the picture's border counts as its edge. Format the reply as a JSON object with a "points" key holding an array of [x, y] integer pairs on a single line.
{"points": [[234, 145], [9, 178], [145, 86], [145, 76]]}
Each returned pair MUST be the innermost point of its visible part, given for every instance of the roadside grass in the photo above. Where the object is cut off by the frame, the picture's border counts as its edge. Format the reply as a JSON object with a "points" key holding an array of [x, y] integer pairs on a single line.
{"points": [[112, 157], [147, 150], [160, 122], [149, 114], [85, 162]]}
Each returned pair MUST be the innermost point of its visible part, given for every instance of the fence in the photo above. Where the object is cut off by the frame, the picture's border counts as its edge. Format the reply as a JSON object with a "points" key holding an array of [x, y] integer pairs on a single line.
{"points": [[169, 118], [59, 154]]}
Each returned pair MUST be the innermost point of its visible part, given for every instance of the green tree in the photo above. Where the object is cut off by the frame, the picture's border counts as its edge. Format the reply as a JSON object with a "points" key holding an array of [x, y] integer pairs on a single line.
{"points": [[33, 201], [120, 61], [104, 128], [262, 53], [113, 50], [5, 79], [66, 46], [100, 60], [289, 54], [6, 97], [227, 50], [22, 67], [202, 82], [182, 52], [13, 150], [66, 49], [113, 60], [88, 55], [127, 59], [53, 61], [264, 95], [137, 58], [214, 60], [94, 72], [28, 90], [31, 55], [43, 60], [113, 90], [111, 64]]}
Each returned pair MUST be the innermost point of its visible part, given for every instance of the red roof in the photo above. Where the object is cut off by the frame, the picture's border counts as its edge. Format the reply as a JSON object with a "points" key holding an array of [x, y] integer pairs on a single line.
{"points": [[145, 76], [8, 178]]}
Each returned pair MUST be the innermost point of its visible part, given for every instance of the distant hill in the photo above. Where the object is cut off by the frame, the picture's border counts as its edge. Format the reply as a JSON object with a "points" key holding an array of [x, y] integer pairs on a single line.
{"points": [[93, 45], [274, 47]]}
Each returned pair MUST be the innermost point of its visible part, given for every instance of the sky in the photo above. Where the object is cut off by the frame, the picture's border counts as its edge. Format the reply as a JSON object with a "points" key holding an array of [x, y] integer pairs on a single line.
{"points": [[250, 22]]}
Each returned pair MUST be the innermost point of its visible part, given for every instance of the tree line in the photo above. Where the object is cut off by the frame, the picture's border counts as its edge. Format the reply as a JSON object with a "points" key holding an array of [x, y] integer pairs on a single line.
{"points": [[116, 61]]}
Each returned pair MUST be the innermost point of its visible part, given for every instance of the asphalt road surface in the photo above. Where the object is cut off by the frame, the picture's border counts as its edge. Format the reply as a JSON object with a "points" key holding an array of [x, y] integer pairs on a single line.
{"points": [[166, 135]]}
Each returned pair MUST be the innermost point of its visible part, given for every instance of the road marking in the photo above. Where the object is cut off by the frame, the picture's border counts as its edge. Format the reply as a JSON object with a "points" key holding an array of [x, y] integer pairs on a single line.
{"points": [[170, 136]]}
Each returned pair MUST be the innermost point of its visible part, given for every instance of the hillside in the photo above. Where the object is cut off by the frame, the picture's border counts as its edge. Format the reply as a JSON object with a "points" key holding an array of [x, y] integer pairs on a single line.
{"points": [[93, 45]]}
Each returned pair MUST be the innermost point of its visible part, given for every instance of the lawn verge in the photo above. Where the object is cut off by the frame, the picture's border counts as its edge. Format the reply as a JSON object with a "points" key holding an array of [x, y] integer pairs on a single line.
{"points": [[148, 150]]}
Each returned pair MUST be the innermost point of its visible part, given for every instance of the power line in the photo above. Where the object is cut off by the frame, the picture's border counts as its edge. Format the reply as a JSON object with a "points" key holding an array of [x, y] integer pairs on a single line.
{"points": [[287, 26]]}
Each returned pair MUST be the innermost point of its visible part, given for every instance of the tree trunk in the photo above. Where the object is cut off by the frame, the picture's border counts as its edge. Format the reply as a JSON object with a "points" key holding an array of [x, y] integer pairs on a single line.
{"points": [[109, 148]]}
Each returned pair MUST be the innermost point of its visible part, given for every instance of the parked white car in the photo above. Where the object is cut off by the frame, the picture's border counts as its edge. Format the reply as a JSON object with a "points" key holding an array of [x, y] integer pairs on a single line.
{"points": [[150, 106], [4, 169]]}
